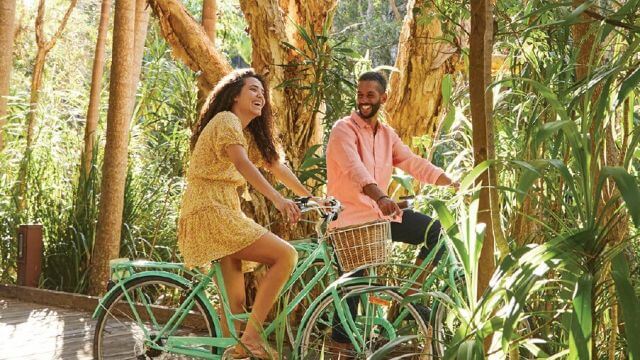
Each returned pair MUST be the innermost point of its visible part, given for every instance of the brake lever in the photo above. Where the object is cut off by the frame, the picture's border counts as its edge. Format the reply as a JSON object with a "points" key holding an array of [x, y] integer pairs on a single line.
{"points": [[302, 201]]}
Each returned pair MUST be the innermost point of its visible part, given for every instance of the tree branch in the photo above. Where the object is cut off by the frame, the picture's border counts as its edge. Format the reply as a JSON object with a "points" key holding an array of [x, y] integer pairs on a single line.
{"points": [[609, 21], [39, 21], [62, 25], [394, 9]]}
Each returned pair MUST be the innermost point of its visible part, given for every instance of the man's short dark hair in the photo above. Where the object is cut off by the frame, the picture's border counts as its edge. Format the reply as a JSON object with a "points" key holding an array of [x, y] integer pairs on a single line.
{"points": [[375, 76]]}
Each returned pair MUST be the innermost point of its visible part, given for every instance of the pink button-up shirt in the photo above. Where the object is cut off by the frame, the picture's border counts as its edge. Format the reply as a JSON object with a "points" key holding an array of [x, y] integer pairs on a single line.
{"points": [[356, 157]]}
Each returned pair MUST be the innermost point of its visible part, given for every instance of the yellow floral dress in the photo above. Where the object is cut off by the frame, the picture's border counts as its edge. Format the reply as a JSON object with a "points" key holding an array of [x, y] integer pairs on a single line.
{"points": [[212, 224]]}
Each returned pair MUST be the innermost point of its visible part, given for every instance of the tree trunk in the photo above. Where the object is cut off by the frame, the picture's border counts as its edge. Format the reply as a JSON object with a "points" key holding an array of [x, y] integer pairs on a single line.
{"points": [[415, 96], [394, 10], [7, 31], [190, 45], [114, 170], [36, 83], [267, 50], [189, 42], [141, 26], [297, 122], [93, 113], [481, 115], [209, 19], [584, 41]]}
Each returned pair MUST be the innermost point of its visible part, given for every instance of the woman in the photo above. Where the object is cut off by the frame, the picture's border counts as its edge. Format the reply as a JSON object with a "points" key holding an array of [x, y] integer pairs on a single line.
{"points": [[235, 134]]}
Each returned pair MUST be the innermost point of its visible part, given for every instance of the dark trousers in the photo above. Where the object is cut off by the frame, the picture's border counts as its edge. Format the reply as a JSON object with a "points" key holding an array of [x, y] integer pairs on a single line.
{"points": [[416, 229]]}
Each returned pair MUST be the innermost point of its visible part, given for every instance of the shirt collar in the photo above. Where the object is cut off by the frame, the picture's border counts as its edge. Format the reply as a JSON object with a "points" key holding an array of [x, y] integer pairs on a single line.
{"points": [[360, 121]]}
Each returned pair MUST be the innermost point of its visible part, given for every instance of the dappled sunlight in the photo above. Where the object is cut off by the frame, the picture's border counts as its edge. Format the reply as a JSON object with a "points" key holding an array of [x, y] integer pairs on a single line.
{"points": [[36, 331]]}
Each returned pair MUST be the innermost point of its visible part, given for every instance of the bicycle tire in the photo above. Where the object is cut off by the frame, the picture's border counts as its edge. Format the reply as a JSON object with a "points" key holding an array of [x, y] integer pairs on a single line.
{"points": [[113, 310], [317, 334]]}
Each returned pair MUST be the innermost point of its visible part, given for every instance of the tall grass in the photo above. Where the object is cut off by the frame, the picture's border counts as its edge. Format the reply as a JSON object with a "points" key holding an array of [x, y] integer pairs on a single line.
{"points": [[64, 201]]}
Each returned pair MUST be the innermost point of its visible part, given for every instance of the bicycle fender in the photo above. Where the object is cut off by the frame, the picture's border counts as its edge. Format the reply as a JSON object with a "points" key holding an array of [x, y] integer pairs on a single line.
{"points": [[164, 274]]}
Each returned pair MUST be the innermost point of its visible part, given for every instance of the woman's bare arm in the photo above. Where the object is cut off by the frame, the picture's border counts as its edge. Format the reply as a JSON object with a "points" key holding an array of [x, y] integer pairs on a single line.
{"points": [[238, 156], [284, 174]]}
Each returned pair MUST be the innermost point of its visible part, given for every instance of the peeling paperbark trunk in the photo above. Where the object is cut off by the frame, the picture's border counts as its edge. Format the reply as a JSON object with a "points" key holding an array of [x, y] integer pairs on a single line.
{"points": [[7, 31], [189, 42], [269, 26], [415, 97], [128, 49], [44, 47], [298, 125], [267, 29], [93, 113]]}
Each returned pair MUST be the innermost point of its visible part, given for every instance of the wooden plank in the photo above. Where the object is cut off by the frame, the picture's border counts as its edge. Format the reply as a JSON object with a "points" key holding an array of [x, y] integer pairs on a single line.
{"points": [[35, 331], [46, 324], [83, 302], [49, 297]]}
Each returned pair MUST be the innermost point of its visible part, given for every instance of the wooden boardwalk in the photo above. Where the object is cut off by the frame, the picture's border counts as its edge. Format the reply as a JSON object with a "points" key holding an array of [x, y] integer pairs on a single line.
{"points": [[36, 331]]}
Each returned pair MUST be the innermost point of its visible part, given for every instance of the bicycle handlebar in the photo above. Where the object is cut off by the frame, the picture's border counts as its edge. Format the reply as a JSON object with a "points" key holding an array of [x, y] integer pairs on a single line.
{"points": [[329, 211]]}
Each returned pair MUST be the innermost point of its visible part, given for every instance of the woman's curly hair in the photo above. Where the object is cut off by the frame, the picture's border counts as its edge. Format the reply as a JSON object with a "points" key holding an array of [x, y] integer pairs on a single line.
{"points": [[222, 99]]}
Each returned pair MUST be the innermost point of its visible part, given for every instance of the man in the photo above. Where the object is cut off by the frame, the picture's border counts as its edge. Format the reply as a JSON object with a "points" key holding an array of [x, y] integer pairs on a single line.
{"points": [[361, 154]]}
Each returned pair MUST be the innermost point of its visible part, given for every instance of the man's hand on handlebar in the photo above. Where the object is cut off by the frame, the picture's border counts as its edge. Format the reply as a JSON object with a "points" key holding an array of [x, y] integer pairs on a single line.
{"points": [[388, 206]]}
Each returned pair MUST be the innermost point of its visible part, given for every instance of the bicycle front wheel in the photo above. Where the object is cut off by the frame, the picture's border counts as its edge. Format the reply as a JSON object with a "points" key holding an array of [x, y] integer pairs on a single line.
{"points": [[132, 321], [380, 322]]}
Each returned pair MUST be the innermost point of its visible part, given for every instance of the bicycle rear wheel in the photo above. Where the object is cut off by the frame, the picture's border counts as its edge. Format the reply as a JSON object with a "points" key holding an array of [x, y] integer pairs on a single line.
{"points": [[381, 317], [130, 324]]}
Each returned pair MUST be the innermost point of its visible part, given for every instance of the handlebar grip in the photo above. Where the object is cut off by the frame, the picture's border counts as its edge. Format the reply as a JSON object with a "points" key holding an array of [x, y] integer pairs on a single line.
{"points": [[301, 201]]}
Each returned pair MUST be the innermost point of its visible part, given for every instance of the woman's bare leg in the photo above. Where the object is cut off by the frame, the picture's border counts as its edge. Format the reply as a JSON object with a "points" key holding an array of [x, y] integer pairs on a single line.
{"points": [[281, 258], [234, 284]]}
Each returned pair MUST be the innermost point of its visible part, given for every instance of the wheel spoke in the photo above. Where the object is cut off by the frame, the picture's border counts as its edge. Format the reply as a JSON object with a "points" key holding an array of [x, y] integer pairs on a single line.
{"points": [[131, 326], [381, 316]]}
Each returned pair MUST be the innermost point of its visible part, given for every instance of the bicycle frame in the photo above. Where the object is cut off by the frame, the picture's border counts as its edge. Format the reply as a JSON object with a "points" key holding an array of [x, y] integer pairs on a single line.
{"points": [[316, 249]]}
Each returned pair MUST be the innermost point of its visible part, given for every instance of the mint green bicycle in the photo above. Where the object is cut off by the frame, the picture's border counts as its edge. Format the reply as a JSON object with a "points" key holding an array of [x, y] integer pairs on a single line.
{"points": [[163, 311]]}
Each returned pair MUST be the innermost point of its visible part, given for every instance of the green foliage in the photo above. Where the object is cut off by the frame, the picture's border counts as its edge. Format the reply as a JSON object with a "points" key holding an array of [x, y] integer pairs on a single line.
{"points": [[330, 92], [63, 201], [231, 35], [370, 27]]}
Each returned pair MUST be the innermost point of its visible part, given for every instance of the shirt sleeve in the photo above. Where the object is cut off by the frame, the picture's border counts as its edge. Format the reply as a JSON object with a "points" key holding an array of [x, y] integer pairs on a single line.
{"points": [[342, 150], [227, 130], [421, 169]]}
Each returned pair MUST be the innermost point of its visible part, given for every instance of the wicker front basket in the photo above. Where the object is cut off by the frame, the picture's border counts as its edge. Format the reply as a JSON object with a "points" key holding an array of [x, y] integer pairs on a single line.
{"points": [[365, 244]]}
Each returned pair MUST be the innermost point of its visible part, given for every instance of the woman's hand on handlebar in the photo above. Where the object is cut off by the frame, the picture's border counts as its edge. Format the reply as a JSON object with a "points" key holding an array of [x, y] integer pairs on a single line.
{"points": [[289, 209]]}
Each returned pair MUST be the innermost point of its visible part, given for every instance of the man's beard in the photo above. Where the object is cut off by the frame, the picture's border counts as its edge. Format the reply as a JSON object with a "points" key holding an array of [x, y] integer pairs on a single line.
{"points": [[372, 112]]}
